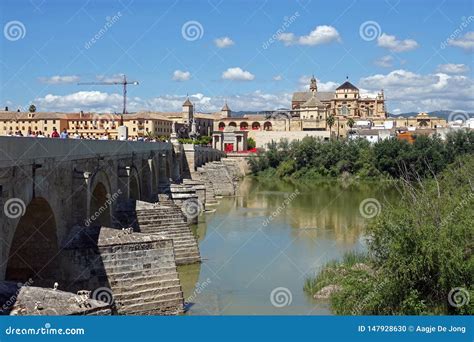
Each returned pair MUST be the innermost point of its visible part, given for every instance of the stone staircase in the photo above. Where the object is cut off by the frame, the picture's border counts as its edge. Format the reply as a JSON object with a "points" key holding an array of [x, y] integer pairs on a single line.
{"points": [[166, 219], [149, 286], [135, 272], [216, 175]]}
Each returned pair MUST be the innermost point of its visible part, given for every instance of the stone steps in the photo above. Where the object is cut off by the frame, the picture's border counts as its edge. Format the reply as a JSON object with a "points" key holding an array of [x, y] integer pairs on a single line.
{"points": [[122, 287], [146, 301], [165, 307], [153, 293], [119, 276], [166, 219]]}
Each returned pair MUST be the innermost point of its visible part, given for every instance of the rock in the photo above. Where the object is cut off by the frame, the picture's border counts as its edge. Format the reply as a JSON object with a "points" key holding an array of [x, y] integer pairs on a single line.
{"points": [[327, 291], [361, 267]]}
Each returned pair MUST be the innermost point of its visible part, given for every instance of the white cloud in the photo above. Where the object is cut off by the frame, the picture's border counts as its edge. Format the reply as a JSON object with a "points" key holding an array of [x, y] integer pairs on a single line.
{"points": [[410, 91], [237, 74], [393, 44], [385, 61], [277, 78], [223, 42], [180, 76], [287, 38], [405, 91], [95, 101], [82, 100], [465, 42], [453, 68], [59, 79], [110, 78], [320, 35], [305, 80]]}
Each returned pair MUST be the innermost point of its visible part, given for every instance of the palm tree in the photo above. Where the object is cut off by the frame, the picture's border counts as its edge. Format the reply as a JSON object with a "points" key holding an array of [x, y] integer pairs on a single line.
{"points": [[330, 121], [350, 123]]}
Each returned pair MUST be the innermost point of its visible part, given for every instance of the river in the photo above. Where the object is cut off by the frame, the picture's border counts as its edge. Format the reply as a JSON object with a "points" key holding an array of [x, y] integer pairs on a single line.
{"points": [[260, 246]]}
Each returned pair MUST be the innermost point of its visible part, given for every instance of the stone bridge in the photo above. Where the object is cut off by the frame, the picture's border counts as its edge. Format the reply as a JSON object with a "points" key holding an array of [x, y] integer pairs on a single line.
{"points": [[48, 186]]}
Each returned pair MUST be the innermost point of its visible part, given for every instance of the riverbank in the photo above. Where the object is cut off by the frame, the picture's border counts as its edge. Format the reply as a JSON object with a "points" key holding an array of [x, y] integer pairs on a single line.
{"points": [[312, 159], [419, 256], [274, 234]]}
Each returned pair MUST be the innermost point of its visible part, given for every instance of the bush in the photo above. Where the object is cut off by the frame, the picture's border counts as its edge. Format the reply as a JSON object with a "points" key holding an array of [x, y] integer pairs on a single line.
{"points": [[418, 252], [311, 157], [251, 144]]}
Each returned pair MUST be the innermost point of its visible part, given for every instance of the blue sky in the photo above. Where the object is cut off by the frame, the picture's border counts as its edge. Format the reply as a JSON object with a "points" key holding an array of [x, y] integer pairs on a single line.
{"points": [[253, 54]]}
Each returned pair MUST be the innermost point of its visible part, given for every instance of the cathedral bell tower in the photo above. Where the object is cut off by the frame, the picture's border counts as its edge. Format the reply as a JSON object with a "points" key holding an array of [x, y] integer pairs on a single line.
{"points": [[313, 86], [188, 111]]}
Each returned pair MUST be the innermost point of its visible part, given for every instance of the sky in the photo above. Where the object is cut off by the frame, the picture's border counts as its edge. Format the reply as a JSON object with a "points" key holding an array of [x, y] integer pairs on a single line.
{"points": [[252, 54]]}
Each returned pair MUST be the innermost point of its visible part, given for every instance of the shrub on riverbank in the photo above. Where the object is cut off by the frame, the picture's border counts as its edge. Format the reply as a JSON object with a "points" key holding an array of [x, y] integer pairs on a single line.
{"points": [[420, 253], [312, 158]]}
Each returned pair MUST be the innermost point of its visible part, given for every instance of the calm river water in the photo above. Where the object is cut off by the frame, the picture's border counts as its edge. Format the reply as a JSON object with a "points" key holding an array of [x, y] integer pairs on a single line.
{"points": [[246, 255]]}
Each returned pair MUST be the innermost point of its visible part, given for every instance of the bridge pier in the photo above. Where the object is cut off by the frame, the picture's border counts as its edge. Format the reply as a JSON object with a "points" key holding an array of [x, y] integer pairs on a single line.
{"points": [[48, 186]]}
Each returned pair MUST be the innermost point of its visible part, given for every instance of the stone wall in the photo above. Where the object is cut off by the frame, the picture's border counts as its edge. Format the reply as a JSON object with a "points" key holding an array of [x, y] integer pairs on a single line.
{"points": [[134, 271]]}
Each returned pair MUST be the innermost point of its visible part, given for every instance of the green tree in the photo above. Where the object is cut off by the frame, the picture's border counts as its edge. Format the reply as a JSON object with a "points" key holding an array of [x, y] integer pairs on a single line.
{"points": [[350, 123], [420, 250], [330, 121], [251, 144]]}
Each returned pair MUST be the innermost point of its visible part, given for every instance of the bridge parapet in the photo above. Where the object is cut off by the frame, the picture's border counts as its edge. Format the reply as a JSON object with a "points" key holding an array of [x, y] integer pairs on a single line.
{"points": [[15, 151]]}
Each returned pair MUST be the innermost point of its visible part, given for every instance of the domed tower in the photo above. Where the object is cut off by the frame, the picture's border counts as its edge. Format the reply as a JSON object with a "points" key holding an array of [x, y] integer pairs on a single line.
{"points": [[225, 111], [188, 111], [313, 86]]}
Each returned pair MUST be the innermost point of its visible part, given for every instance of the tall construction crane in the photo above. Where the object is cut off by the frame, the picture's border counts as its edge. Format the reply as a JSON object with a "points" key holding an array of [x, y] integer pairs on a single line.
{"points": [[124, 82]]}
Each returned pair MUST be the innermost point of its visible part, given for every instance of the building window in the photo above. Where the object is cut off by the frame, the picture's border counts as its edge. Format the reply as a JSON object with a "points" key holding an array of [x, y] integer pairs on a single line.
{"points": [[344, 110]]}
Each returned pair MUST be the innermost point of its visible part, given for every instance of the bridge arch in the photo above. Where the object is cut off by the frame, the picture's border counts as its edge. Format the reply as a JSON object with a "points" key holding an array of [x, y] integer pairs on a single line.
{"points": [[100, 200], [134, 187], [33, 253]]}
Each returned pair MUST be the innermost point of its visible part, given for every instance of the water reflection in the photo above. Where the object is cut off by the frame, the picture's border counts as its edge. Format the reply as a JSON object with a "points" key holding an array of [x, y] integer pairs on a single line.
{"points": [[246, 255]]}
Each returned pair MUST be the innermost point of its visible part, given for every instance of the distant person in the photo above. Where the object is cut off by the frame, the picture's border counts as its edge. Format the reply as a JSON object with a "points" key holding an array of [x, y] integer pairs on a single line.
{"points": [[40, 134], [64, 134], [76, 135], [55, 133]]}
